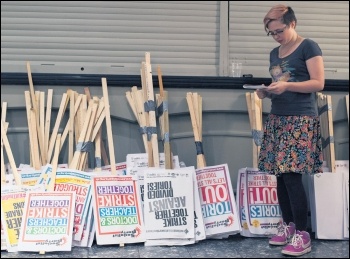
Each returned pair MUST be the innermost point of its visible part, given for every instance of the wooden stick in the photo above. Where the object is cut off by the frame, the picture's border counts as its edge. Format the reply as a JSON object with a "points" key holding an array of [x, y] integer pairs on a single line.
{"points": [[98, 151], [193, 109], [3, 175], [33, 141], [164, 122], [324, 103], [10, 155], [42, 125], [251, 122], [100, 116], [47, 123], [87, 93], [347, 105], [34, 106], [66, 129], [109, 126], [50, 185], [37, 162], [61, 111], [257, 124], [138, 98], [152, 112], [132, 100], [331, 134], [3, 119], [31, 144], [80, 117], [144, 101], [104, 155], [88, 138], [102, 146], [76, 158], [98, 137], [71, 126]]}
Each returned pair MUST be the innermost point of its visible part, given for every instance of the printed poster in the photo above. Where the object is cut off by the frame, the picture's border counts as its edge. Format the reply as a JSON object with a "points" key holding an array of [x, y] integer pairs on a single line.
{"points": [[169, 203], [263, 211], [47, 221], [86, 229], [119, 167], [218, 203], [198, 223], [117, 210], [240, 197], [141, 161], [29, 176], [45, 176], [3, 238], [12, 203], [80, 182]]}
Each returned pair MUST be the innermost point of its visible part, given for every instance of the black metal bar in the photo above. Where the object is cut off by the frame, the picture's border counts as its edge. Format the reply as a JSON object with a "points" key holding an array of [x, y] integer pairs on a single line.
{"points": [[209, 82]]}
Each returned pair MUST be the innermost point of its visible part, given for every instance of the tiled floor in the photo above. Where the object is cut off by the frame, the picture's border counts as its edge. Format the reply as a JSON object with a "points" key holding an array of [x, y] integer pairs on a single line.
{"points": [[233, 247]]}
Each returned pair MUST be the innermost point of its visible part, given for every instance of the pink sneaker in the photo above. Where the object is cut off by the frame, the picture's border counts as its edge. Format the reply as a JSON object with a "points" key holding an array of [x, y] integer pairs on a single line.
{"points": [[300, 244], [283, 235]]}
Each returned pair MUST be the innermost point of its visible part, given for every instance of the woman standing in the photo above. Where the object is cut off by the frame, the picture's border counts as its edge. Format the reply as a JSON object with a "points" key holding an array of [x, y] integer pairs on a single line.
{"points": [[292, 143]]}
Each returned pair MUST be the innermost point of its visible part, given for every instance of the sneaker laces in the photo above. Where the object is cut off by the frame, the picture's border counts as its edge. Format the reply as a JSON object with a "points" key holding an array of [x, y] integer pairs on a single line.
{"points": [[297, 240], [282, 229]]}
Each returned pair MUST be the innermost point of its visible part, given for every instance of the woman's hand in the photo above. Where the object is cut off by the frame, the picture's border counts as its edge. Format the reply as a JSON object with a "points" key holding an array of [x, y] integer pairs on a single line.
{"points": [[261, 93], [277, 87]]}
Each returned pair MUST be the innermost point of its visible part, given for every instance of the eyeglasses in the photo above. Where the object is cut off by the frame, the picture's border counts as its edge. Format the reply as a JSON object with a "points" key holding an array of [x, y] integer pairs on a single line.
{"points": [[277, 32]]}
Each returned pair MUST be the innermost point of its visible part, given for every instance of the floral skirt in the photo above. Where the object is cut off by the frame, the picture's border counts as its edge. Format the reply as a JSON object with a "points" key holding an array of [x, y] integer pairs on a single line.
{"points": [[291, 144]]}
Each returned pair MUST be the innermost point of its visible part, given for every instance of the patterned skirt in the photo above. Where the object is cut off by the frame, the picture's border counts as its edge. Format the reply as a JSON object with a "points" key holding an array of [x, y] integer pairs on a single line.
{"points": [[291, 144]]}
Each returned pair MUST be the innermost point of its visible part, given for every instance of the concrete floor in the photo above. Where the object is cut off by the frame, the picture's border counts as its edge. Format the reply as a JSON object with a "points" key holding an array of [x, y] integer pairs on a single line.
{"points": [[235, 246]]}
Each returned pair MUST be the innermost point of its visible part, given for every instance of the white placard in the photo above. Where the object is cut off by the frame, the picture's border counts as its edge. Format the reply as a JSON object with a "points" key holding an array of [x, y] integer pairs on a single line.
{"points": [[254, 87], [218, 203], [169, 203], [47, 223], [263, 212], [117, 210]]}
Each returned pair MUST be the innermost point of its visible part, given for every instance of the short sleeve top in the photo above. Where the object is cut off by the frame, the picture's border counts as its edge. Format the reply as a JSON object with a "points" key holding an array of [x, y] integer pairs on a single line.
{"points": [[292, 68]]}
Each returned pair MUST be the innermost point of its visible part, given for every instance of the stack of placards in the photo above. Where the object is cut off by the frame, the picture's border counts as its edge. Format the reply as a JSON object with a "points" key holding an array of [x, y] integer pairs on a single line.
{"points": [[136, 163], [329, 199], [47, 223], [80, 182], [117, 210], [218, 203], [169, 207], [259, 211], [12, 204], [3, 239]]}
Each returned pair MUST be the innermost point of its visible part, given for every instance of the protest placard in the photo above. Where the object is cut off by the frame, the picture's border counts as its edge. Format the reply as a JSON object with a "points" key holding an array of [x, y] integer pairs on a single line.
{"points": [[117, 210], [218, 203], [198, 222], [120, 168], [86, 229], [3, 238], [261, 203], [169, 203], [12, 203], [240, 198], [141, 161], [47, 223], [74, 180]]}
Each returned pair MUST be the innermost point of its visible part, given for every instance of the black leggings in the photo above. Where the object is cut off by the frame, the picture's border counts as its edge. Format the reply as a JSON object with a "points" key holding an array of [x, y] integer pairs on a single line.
{"points": [[292, 199]]}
